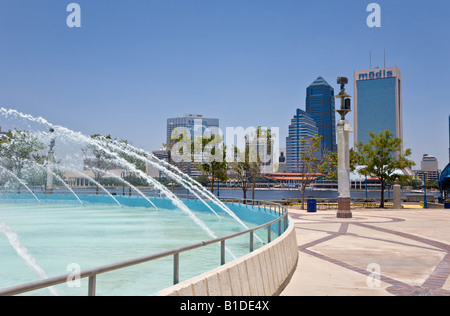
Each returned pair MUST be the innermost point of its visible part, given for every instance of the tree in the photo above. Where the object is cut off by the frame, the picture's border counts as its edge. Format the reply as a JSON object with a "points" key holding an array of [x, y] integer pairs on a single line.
{"points": [[242, 168], [100, 159], [97, 159], [330, 164], [260, 154], [312, 164], [214, 163], [382, 157], [18, 149], [129, 155]]}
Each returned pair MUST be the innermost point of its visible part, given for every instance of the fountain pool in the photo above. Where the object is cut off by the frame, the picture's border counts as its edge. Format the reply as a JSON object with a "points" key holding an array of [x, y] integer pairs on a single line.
{"points": [[62, 235]]}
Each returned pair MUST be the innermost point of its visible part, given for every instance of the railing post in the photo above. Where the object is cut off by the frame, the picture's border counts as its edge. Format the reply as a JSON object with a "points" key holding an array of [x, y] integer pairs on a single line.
{"points": [[251, 241], [176, 268], [279, 227], [269, 234], [222, 252], [92, 285]]}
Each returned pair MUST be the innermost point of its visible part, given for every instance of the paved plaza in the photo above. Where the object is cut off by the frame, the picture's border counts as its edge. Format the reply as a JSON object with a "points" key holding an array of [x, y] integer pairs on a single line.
{"points": [[377, 253]]}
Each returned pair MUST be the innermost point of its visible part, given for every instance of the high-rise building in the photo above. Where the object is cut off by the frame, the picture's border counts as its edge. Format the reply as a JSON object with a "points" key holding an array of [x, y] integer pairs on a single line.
{"points": [[302, 126], [430, 166], [196, 125], [191, 122], [378, 103], [320, 105]]}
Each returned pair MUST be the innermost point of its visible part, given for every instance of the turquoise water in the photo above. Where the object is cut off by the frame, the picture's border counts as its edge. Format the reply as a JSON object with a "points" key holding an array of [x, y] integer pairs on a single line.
{"points": [[60, 237]]}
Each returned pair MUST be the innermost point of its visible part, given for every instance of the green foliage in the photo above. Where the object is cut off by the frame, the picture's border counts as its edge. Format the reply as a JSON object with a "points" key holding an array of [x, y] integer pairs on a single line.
{"points": [[242, 169], [329, 167], [214, 163], [20, 151], [312, 162], [19, 147], [100, 160], [382, 157], [254, 159]]}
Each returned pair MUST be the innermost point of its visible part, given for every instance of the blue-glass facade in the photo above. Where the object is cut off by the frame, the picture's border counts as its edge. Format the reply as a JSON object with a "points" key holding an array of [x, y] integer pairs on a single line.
{"points": [[320, 105], [302, 126], [376, 107], [378, 103]]}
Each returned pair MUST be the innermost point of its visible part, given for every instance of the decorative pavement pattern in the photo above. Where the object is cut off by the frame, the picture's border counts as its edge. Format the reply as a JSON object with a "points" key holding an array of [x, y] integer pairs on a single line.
{"points": [[423, 271]]}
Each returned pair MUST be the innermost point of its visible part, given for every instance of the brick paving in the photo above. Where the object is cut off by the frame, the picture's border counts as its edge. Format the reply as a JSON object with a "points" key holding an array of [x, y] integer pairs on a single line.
{"points": [[411, 244]]}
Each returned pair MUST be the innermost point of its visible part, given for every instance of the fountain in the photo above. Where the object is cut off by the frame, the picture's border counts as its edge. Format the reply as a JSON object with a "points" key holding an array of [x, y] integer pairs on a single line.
{"points": [[24, 254], [72, 151], [21, 182]]}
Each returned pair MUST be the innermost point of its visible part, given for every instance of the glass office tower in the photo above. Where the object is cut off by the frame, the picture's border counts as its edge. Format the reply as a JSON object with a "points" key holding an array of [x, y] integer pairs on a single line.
{"points": [[320, 105], [378, 103], [302, 126], [190, 121]]}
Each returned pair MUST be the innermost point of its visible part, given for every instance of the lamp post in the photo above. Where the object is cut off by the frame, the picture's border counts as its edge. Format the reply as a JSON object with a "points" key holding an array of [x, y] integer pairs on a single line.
{"points": [[50, 160], [366, 189], [344, 129], [425, 202]]}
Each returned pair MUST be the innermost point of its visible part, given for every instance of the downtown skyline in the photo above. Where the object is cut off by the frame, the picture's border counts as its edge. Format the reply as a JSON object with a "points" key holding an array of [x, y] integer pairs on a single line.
{"points": [[130, 67]]}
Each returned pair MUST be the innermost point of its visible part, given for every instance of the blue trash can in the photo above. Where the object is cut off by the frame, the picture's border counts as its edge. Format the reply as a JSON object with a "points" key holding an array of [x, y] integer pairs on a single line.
{"points": [[312, 206], [447, 205]]}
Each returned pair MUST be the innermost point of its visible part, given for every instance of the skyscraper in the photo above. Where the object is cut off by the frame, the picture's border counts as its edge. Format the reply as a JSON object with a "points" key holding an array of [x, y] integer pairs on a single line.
{"points": [[430, 166], [302, 126], [378, 103], [190, 121], [320, 106], [196, 125]]}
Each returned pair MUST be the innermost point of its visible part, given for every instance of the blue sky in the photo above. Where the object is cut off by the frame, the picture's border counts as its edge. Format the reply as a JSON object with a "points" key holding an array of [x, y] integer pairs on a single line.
{"points": [[135, 63]]}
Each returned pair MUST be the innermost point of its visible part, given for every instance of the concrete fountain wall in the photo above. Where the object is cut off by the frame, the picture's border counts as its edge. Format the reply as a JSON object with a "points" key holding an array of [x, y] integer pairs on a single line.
{"points": [[264, 272]]}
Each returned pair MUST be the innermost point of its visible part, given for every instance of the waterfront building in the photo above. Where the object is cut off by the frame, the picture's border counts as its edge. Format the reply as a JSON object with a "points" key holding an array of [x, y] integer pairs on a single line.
{"points": [[302, 126], [430, 167], [320, 105], [196, 125], [377, 103], [282, 161], [192, 122]]}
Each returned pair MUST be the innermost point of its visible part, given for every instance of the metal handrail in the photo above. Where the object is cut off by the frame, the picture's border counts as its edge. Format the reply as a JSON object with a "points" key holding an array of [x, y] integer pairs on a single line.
{"points": [[92, 273]]}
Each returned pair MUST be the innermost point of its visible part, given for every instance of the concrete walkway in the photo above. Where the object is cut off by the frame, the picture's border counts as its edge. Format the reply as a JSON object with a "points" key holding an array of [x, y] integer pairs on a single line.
{"points": [[378, 252]]}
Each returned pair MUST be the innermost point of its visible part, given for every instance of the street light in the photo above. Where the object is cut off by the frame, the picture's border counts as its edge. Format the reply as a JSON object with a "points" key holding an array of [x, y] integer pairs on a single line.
{"points": [[425, 202], [343, 130], [50, 161]]}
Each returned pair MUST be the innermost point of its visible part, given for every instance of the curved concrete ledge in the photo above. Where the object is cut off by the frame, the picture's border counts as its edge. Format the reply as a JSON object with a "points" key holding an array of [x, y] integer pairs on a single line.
{"points": [[264, 272]]}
